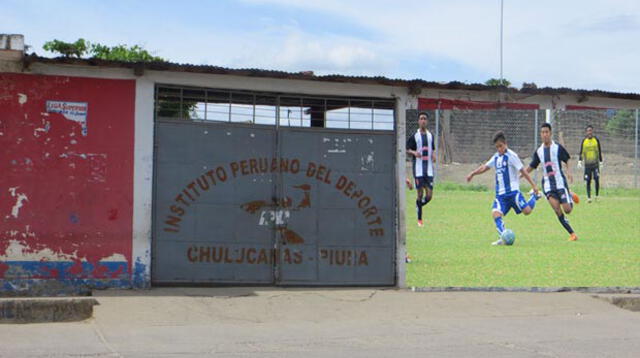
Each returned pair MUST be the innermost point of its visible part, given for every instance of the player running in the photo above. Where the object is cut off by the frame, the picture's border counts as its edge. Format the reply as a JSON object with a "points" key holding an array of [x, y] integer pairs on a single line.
{"points": [[554, 182], [591, 154], [421, 146], [507, 165]]}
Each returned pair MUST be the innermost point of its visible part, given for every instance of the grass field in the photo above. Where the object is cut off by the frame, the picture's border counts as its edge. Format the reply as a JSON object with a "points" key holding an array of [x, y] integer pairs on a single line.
{"points": [[454, 248]]}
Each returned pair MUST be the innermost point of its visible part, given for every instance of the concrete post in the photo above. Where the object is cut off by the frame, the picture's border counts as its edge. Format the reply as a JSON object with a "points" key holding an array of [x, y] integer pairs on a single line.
{"points": [[401, 170], [637, 171]]}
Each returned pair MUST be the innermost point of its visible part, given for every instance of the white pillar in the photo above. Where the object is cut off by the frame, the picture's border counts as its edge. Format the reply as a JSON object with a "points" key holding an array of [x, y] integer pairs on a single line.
{"points": [[142, 183]]}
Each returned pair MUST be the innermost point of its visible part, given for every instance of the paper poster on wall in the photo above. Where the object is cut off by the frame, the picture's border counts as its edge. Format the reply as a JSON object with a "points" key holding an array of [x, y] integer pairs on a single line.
{"points": [[73, 111]]}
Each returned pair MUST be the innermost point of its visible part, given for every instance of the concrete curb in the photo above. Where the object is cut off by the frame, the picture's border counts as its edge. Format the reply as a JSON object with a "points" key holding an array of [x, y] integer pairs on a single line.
{"points": [[45, 310], [600, 290], [625, 302]]}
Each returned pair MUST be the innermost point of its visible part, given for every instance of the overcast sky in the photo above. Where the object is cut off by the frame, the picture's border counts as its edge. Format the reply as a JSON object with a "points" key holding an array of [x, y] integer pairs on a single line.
{"points": [[585, 44]]}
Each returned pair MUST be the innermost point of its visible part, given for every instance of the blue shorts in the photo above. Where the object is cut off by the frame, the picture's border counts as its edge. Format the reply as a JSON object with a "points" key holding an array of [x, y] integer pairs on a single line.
{"points": [[424, 182], [505, 202]]}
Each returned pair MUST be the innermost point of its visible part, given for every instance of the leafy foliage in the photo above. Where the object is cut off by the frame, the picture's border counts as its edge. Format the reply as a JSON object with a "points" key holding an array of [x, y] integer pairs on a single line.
{"points": [[498, 82], [134, 53], [82, 48], [67, 49], [622, 124]]}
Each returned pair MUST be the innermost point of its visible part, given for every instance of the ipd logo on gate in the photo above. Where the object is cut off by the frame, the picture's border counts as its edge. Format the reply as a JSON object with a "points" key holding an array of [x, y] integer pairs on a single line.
{"points": [[276, 213]]}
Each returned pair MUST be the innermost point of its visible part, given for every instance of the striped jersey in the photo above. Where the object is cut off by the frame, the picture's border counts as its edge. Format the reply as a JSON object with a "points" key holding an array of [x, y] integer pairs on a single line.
{"points": [[422, 167], [590, 152], [551, 157], [507, 166]]}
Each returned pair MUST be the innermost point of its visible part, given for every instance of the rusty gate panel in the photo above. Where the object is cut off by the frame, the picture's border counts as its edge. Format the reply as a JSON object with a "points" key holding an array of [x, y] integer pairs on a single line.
{"points": [[210, 201], [340, 208], [264, 205]]}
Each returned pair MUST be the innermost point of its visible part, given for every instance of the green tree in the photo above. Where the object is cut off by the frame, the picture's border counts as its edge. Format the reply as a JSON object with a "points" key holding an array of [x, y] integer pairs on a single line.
{"points": [[622, 124], [167, 106], [125, 53], [67, 49], [495, 82], [83, 48]]}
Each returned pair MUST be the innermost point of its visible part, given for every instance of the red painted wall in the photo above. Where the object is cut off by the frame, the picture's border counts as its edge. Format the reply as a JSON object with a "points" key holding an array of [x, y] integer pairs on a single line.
{"points": [[75, 190]]}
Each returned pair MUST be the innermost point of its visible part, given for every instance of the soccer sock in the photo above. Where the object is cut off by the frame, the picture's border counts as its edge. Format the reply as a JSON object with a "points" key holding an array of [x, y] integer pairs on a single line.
{"points": [[532, 201], [426, 200], [589, 188], [565, 223], [597, 186], [419, 207], [499, 224]]}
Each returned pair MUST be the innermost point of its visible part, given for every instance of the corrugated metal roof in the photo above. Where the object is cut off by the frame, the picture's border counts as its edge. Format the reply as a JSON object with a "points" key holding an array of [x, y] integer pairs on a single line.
{"points": [[414, 84]]}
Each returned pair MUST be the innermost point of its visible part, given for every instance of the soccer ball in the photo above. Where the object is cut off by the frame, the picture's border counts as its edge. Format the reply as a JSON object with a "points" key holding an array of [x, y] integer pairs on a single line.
{"points": [[508, 237]]}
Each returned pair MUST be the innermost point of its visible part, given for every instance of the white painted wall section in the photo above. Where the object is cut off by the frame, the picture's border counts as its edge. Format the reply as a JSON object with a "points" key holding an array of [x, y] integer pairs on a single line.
{"points": [[143, 182]]}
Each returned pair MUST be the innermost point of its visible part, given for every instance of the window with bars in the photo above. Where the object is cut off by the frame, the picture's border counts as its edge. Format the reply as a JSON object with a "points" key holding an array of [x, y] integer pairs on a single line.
{"points": [[203, 104]]}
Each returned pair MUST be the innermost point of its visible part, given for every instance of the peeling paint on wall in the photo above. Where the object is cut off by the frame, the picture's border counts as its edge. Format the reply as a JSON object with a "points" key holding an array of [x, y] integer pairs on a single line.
{"points": [[46, 126], [66, 193], [18, 250], [367, 162], [20, 198]]}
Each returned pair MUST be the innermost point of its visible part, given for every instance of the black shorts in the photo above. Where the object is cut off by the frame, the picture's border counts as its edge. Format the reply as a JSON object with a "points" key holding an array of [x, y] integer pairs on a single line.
{"points": [[424, 182], [593, 172], [562, 195]]}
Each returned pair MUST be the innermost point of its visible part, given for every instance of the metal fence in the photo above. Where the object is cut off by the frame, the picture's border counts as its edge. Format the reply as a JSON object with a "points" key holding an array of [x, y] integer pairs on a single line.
{"points": [[465, 140]]}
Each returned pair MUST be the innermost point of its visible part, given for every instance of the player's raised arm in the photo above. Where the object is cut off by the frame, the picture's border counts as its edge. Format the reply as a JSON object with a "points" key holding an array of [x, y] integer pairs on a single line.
{"points": [[564, 157], [479, 170], [535, 161], [525, 174], [568, 169]]}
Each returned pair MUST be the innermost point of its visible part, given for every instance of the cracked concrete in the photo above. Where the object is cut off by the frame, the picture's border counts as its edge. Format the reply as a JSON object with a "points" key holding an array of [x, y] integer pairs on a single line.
{"points": [[274, 322]]}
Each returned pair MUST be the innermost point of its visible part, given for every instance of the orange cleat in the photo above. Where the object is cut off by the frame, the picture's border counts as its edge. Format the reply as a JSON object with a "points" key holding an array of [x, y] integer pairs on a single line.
{"points": [[576, 198], [573, 237], [420, 223]]}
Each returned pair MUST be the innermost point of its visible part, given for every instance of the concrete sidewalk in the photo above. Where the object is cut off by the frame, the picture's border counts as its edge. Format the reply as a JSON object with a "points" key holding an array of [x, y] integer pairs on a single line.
{"points": [[272, 322]]}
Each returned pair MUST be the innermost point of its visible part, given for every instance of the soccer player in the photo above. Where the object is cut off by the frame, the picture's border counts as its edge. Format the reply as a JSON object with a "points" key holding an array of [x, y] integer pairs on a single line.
{"points": [[591, 154], [507, 165], [554, 182], [421, 147]]}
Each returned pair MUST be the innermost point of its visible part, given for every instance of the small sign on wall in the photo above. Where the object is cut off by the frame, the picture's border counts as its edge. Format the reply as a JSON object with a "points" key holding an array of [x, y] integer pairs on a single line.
{"points": [[73, 111]]}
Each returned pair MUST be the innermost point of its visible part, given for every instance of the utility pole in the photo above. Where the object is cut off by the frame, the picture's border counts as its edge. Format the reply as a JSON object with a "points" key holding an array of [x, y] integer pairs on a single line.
{"points": [[501, 32]]}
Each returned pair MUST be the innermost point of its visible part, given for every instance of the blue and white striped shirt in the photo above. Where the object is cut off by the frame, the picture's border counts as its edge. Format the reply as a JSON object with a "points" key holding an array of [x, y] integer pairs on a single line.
{"points": [[507, 167]]}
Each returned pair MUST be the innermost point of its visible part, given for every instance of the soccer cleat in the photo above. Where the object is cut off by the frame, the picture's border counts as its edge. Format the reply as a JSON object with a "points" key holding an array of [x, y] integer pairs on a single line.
{"points": [[573, 237], [531, 193], [589, 200], [498, 242], [420, 223], [409, 184], [597, 199], [576, 198], [407, 259]]}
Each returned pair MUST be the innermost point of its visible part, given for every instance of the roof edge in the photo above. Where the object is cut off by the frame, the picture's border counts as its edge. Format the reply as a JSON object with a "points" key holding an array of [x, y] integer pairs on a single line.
{"points": [[414, 85]]}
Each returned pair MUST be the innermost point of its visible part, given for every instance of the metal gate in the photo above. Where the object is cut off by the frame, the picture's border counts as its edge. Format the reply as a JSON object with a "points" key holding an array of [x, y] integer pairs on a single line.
{"points": [[251, 204]]}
